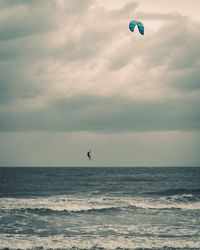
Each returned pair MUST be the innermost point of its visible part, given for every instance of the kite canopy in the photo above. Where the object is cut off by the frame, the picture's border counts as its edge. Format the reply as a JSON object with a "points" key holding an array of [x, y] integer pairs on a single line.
{"points": [[140, 26]]}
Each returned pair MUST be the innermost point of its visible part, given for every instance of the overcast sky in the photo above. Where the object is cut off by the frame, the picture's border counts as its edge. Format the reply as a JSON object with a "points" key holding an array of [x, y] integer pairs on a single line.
{"points": [[73, 78]]}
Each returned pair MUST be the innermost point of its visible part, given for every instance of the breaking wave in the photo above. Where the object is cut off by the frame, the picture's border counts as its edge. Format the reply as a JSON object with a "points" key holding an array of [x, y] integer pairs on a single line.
{"points": [[96, 243], [73, 205], [180, 191], [102, 248]]}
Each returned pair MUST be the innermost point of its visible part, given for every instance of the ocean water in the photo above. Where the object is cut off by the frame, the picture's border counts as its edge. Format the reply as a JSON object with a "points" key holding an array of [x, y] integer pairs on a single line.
{"points": [[100, 208]]}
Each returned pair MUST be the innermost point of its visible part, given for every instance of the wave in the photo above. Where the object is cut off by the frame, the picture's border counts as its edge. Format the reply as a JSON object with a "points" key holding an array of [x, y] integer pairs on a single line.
{"points": [[74, 205], [97, 244], [134, 179], [180, 198], [93, 242], [179, 191], [184, 198], [47, 211], [112, 209], [102, 248], [62, 204]]}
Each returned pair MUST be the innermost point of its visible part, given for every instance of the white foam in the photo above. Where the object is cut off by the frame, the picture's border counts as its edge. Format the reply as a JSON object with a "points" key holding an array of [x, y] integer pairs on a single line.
{"points": [[74, 203], [164, 204], [61, 203], [112, 242]]}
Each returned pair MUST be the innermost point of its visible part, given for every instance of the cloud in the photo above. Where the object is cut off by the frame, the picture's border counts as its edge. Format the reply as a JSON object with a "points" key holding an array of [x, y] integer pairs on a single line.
{"points": [[75, 66], [10, 89], [186, 82], [175, 44], [10, 3], [23, 18], [100, 114]]}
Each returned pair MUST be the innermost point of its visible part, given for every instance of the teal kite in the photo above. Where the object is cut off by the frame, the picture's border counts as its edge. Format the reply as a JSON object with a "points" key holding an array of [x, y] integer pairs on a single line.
{"points": [[140, 26]]}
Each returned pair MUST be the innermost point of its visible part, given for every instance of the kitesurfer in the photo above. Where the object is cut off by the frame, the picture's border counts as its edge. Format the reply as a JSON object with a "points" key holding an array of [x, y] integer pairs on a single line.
{"points": [[89, 155]]}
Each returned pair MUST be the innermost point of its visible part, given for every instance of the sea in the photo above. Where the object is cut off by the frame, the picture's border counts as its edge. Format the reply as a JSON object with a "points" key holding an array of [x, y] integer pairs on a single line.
{"points": [[100, 208]]}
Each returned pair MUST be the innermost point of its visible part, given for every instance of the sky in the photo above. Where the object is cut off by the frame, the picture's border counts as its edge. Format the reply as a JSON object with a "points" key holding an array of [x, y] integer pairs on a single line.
{"points": [[74, 78]]}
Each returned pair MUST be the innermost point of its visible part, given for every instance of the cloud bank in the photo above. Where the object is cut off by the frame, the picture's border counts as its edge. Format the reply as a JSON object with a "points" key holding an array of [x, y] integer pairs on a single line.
{"points": [[75, 66]]}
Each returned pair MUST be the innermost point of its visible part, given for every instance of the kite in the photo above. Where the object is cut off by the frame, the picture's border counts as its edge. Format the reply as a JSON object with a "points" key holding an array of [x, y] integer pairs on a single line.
{"points": [[140, 26]]}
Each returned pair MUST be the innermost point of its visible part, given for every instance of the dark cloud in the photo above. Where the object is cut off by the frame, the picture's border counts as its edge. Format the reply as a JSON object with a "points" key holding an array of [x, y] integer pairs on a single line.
{"points": [[17, 82], [101, 114], [12, 90], [186, 82], [25, 21], [8, 3]]}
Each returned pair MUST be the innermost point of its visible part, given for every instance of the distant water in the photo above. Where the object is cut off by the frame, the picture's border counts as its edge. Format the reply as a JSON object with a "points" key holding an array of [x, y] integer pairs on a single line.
{"points": [[100, 208]]}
